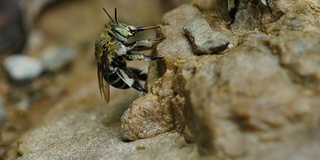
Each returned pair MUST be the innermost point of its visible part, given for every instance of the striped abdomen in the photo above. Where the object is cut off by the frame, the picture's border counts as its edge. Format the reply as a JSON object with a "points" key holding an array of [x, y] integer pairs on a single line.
{"points": [[115, 81], [125, 78]]}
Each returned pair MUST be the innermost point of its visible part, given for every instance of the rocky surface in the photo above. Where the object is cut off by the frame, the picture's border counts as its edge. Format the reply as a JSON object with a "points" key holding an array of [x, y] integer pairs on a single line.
{"points": [[258, 99], [95, 134], [160, 90]]}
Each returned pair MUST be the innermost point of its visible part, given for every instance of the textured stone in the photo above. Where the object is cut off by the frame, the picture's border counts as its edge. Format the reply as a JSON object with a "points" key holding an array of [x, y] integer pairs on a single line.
{"points": [[231, 105], [173, 23], [150, 114], [299, 52], [203, 38], [257, 100], [149, 117]]}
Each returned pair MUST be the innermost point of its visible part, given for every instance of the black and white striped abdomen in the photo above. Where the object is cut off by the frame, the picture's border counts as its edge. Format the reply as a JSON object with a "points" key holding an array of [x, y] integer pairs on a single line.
{"points": [[115, 81]]}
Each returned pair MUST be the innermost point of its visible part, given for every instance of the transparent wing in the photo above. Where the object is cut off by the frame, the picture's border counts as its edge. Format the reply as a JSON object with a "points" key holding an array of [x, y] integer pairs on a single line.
{"points": [[103, 68], [125, 77]]}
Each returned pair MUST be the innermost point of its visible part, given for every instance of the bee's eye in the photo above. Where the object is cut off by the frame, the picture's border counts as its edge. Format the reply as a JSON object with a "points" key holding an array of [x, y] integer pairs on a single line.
{"points": [[122, 31]]}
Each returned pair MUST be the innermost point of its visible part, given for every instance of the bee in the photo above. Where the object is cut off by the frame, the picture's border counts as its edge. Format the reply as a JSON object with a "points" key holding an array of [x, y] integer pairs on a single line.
{"points": [[111, 52]]}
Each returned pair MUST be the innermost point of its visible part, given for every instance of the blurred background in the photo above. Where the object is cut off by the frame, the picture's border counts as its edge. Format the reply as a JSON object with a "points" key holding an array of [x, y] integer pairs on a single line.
{"points": [[46, 55]]}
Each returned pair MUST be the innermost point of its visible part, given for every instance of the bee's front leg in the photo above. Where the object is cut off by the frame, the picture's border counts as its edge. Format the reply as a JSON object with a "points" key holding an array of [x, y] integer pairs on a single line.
{"points": [[266, 3], [129, 56], [143, 44]]}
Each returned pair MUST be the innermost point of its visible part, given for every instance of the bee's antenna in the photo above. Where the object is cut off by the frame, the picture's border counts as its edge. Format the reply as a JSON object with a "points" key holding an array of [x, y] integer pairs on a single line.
{"points": [[115, 15], [109, 15]]}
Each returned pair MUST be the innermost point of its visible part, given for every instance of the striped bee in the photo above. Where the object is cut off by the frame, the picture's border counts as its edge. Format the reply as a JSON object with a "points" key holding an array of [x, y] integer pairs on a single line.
{"points": [[111, 52]]}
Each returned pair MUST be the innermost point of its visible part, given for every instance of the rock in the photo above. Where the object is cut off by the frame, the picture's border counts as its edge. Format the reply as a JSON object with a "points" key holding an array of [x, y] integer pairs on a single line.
{"points": [[288, 22], [22, 67], [56, 57], [173, 23], [150, 114], [136, 124], [77, 134], [257, 100], [231, 105], [203, 38], [299, 52]]}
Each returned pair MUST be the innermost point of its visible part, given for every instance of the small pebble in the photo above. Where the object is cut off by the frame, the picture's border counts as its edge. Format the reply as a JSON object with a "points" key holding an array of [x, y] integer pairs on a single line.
{"points": [[204, 39], [22, 67], [55, 57]]}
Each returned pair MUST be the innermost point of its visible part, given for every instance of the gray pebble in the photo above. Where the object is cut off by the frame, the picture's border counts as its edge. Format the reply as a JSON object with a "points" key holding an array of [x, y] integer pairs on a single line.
{"points": [[22, 67], [55, 57], [203, 38]]}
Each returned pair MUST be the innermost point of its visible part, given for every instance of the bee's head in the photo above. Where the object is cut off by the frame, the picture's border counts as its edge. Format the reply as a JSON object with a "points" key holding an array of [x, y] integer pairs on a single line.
{"points": [[123, 31]]}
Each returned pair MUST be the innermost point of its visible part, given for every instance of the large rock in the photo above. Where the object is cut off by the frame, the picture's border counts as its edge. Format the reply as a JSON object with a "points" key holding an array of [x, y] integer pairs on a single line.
{"points": [[257, 100], [239, 103]]}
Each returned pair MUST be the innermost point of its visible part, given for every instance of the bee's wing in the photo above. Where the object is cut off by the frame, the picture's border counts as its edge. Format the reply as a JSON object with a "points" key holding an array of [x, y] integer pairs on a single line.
{"points": [[125, 77], [103, 68]]}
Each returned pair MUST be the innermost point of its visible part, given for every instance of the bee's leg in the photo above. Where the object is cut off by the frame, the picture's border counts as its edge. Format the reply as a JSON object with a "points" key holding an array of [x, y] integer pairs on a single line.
{"points": [[233, 9], [130, 78], [136, 85], [131, 56], [265, 2], [143, 44], [141, 75]]}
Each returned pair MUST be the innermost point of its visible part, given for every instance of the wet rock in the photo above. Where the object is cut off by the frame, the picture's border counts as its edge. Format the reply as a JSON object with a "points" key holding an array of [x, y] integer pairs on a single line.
{"points": [[23, 67], [56, 57], [203, 38]]}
